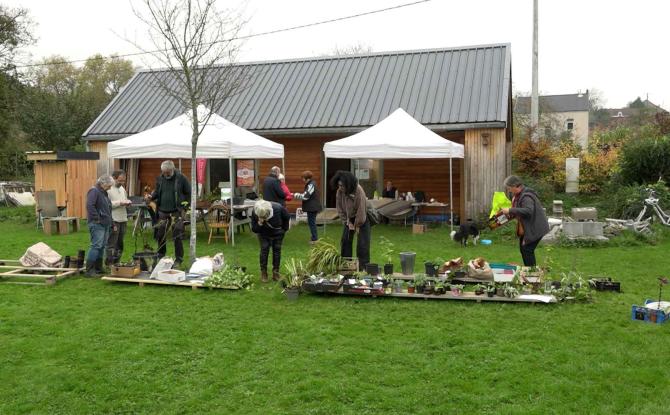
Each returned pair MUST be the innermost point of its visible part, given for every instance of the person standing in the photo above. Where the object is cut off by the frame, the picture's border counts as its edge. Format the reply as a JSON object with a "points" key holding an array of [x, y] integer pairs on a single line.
{"points": [[272, 191], [172, 195], [532, 222], [270, 221], [99, 218], [119, 198], [288, 196], [351, 204], [311, 203]]}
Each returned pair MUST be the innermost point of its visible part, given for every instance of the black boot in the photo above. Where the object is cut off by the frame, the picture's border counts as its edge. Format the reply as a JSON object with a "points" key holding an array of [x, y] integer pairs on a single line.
{"points": [[98, 267], [90, 269]]}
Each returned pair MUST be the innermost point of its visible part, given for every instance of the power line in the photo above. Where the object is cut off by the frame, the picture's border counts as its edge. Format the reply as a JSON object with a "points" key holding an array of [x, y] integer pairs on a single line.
{"points": [[270, 32]]}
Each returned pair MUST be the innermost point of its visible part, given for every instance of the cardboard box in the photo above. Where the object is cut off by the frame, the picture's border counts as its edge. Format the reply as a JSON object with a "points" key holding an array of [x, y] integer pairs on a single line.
{"points": [[419, 228], [125, 271]]}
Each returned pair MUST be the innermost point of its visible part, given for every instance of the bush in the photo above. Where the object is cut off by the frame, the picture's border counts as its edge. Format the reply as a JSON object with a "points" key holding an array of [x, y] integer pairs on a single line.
{"points": [[626, 201], [646, 161]]}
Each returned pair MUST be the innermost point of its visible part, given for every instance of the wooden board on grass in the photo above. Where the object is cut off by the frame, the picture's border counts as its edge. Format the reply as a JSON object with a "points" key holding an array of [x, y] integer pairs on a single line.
{"points": [[466, 296], [11, 270], [141, 281]]}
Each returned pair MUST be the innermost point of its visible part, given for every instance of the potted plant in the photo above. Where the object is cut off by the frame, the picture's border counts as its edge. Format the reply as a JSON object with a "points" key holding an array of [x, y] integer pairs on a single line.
{"points": [[429, 286], [491, 290], [511, 291], [388, 252], [430, 268], [500, 289], [229, 277], [410, 287], [398, 286], [439, 288], [457, 289], [479, 289], [323, 257], [293, 278], [372, 269], [420, 282]]}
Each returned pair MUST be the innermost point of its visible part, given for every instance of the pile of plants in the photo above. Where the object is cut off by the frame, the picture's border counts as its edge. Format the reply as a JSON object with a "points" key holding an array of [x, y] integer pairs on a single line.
{"points": [[229, 276]]}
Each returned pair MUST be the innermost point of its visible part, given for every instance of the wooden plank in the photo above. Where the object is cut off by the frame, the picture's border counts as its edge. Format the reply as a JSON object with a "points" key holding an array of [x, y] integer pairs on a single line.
{"points": [[466, 296], [142, 281], [38, 268]]}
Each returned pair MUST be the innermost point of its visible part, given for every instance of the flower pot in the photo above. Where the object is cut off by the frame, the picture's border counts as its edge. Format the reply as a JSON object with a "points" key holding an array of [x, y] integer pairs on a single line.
{"points": [[430, 269], [292, 293], [456, 291], [397, 288], [410, 290], [490, 294], [372, 269], [479, 292], [419, 289], [407, 262], [388, 289], [500, 292], [439, 290], [388, 269], [429, 289]]}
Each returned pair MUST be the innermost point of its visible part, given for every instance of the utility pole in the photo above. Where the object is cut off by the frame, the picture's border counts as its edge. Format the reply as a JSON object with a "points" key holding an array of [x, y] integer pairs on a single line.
{"points": [[534, 99]]}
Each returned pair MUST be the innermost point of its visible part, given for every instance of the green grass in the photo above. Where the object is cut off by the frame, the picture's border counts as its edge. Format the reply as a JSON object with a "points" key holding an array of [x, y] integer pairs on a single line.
{"points": [[87, 346]]}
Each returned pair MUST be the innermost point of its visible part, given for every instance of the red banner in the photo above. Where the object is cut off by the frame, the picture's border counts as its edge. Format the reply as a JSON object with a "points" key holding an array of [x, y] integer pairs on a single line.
{"points": [[201, 165], [245, 173]]}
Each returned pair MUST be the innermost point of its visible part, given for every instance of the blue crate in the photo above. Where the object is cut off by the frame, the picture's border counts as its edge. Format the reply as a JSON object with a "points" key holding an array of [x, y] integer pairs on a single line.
{"points": [[640, 313]]}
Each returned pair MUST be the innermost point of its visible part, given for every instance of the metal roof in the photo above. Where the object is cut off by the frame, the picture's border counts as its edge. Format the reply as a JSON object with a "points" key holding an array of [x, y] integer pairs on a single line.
{"points": [[452, 88], [555, 103]]}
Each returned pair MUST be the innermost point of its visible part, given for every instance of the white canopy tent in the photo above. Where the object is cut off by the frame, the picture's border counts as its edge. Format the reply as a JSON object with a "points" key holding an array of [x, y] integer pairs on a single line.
{"points": [[219, 139], [398, 136]]}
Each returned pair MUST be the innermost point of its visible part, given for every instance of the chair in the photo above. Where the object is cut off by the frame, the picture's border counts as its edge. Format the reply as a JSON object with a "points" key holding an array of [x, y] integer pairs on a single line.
{"points": [[46, 206], [218, 218]]}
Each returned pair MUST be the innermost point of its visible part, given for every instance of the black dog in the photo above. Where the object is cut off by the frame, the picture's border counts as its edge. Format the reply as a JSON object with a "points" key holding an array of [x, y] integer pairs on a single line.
{"points": [[465, 231]]}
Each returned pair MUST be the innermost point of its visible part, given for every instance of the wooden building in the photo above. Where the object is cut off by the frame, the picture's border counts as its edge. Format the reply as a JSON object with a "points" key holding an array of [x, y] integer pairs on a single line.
{"points": [[70, 174], [463, 94]]}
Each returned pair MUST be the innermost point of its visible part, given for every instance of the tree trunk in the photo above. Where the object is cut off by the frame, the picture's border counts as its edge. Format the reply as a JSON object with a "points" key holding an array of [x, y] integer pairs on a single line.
{"points": [[194, 185]]}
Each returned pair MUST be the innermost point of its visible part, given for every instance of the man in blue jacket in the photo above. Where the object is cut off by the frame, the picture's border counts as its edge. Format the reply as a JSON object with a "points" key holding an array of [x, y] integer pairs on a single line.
{"points": [[99, 218], [272, 190]]}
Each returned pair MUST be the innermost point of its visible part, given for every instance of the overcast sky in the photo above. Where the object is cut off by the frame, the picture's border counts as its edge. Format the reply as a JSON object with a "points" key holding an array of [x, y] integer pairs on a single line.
{"points": [[619, 47]]}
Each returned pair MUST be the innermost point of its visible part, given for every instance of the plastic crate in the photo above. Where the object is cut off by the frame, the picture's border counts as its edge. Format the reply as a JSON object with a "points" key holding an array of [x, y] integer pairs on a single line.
{"points": [[606, 284], [321, 287], [642, 313]]}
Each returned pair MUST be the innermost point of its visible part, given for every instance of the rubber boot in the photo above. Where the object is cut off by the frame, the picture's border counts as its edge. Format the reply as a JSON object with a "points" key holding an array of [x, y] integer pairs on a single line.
{"points": [[275, 275], [99, 268], [90, 269], [264, 275]]}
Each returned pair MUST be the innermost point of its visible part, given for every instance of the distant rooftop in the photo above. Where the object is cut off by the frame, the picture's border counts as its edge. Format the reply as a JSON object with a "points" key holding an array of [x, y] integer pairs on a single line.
{"points": [[555, 103]]}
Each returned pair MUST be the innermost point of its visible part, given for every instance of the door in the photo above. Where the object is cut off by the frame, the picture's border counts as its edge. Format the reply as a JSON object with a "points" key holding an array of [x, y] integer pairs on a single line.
{"points": [[333, 166]]}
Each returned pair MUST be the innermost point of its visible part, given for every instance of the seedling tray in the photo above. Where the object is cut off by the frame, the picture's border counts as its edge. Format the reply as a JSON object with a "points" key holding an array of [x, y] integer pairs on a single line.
{"points": [[606, 284], [648, 315], [321, 287]]}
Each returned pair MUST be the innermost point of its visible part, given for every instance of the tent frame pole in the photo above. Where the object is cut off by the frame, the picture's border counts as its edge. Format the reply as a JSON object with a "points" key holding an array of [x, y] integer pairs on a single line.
{"points": [[451, 196], [232, 194]]}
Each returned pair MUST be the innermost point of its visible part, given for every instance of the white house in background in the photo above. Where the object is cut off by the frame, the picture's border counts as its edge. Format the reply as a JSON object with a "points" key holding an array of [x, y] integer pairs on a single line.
{"points": [[561, 114]]}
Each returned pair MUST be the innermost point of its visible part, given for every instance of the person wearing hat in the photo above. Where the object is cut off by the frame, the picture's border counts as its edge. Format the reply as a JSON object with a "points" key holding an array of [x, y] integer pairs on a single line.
{"points": [[532, 223]]}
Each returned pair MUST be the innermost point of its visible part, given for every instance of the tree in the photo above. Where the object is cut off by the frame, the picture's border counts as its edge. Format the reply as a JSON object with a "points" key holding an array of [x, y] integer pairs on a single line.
{"points": [[15, 32], [197, 45]]}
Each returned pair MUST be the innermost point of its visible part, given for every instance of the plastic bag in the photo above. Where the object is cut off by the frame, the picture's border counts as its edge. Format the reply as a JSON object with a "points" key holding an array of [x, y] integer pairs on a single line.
{"points": [[164, 264], [203, 266], [499, 201], [480, 269], [217, 262]]}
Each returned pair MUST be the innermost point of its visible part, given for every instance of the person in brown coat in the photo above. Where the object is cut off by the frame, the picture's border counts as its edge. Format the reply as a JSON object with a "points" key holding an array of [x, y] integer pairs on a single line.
{"points": [[351, 204]]}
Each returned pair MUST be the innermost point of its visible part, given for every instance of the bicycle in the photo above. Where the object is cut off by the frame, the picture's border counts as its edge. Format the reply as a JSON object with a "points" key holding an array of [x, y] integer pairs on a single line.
{"points": [[640, 225]]}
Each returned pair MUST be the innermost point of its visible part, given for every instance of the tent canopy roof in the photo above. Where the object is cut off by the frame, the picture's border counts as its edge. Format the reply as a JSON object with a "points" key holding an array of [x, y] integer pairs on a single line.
{"points": [[398, 136], [219, 139]]}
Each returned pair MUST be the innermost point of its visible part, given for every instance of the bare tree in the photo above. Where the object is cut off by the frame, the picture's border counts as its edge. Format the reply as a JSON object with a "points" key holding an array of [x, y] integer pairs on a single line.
{"points": [[197, 45]]}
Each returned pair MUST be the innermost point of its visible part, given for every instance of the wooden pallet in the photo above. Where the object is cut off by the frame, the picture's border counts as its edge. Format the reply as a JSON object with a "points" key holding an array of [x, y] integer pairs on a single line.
{"points": [[142, 281], [12, 269], [466, 296]]}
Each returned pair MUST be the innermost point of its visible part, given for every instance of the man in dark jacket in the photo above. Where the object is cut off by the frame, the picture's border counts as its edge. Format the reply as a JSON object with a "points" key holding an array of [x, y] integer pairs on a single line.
{"points": [[311, 202], [272, 191], [270, 221], [532, 222], [172, 195], [99, 218]]}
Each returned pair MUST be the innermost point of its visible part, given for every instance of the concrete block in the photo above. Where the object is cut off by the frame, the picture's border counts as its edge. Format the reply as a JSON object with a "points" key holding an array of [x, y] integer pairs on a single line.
{"points": [[592, 228], [584, 214]]}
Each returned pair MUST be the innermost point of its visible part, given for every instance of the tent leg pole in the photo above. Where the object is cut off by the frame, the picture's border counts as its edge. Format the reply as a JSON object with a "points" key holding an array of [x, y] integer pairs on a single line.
{"points": [[451, 199], [232, 193], [325, 188]]}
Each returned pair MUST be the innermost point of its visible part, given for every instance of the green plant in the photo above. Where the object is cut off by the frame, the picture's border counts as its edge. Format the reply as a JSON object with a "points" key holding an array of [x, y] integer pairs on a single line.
{"points": [[573, 287], [511, 291], [229, 276], [387, 249], [323, 257], [420, 279], [295, 274]]}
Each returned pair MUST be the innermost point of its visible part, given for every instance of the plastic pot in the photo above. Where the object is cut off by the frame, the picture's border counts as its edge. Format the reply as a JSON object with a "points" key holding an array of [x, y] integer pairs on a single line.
{"points": [[407, 262], [388, 269], [430, 269], [372, 269]]}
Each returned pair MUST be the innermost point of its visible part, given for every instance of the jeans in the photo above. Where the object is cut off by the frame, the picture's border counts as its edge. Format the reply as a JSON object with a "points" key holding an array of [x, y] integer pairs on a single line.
{"points": [[99, 236], [164, 221], [362, 245], [268, 242], [311, 222], [115, 242], [528, 252]]}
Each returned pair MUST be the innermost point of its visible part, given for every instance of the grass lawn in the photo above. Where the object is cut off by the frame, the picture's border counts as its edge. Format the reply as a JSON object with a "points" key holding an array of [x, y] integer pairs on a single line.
{"points": [[88, 346]]}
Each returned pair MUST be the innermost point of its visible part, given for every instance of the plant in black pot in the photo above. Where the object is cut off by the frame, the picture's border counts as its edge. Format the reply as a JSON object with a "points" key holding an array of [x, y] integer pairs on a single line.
{"points": [[430, 268], [429, 287], [439, 288], [293, 278], [479, 289], [388, 252], [419, 282], [372, 269], [491, 290]]}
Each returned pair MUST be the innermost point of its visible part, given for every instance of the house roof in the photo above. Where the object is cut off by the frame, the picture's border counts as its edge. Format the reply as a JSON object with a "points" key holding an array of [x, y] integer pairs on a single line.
{"points": [[451, 88], [555, 103]]}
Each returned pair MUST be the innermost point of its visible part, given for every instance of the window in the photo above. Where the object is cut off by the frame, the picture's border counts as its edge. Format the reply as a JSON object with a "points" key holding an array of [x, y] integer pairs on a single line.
{"points": [[569, 124]]}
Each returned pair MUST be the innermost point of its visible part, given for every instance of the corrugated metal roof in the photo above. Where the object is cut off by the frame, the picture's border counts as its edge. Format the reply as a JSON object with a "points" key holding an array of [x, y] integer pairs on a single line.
{"points": [[555, 103], [438, 87]]}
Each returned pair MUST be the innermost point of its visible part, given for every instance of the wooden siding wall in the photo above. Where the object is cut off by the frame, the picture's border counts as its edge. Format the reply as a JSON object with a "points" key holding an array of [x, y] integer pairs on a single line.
{"points": [[81, 176], [301, 153], [70, 180], [486, 167], [104, 165], [150, 169]]}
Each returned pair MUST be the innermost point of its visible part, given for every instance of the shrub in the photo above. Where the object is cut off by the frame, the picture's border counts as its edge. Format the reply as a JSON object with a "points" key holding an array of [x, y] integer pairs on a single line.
{"points": [[646, 161]]}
